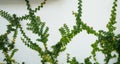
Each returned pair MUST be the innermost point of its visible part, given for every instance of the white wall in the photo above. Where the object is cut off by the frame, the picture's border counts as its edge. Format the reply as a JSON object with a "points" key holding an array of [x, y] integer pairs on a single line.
{"points": [[96, 13]]}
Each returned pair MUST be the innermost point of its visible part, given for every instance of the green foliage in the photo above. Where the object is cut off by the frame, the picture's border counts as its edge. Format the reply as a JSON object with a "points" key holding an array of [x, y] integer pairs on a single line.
{"points": [[112, 20], [72, 61], [107, 41]]}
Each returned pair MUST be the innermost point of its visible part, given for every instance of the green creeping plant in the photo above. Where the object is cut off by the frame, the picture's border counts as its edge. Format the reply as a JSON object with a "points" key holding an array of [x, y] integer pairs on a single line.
{"points": [[107, 42]]}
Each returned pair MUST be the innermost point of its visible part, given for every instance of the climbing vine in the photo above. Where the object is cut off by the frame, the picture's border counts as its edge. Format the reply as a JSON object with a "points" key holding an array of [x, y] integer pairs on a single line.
{"points": [[107, 41]]}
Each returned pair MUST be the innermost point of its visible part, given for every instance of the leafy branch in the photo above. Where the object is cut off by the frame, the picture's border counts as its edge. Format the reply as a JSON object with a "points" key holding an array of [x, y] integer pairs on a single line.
{"points": [[107, 41]]}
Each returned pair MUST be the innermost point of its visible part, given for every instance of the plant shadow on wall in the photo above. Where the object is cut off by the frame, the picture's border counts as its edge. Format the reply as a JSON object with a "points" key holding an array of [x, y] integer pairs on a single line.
{"points": [[106, 42]]}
